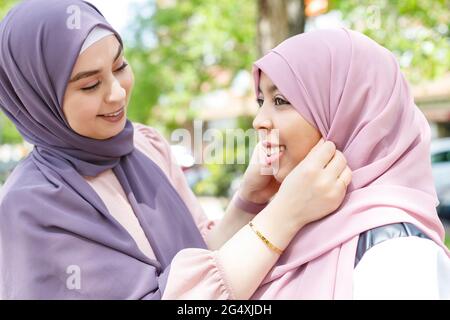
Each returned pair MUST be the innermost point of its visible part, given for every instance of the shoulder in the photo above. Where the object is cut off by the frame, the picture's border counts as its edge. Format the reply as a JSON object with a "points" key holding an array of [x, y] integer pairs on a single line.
{"points": [[404, 267], [25, 179], [22, 189], [148, 134], [151, 143], [25, 190]]}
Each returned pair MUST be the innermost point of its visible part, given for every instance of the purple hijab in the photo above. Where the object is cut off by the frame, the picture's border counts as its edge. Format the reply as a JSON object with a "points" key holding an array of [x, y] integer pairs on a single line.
{"points": [[57, 238]]}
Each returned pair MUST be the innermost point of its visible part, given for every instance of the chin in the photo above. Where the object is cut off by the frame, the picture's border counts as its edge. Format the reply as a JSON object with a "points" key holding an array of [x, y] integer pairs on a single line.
{"points": [[116, 131], [110, 134]]}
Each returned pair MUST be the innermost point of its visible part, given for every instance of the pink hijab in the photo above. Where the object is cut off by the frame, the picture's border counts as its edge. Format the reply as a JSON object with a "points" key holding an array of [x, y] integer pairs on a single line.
{"points": [[352, 90]]}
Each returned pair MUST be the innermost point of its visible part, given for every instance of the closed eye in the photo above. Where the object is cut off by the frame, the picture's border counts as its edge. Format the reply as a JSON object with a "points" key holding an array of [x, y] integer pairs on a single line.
{"points": [[122, 67], [91, 88]]}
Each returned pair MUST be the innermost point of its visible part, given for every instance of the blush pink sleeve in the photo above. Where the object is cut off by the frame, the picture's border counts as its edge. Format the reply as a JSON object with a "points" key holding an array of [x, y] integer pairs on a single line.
{"points": [[197, 274]]}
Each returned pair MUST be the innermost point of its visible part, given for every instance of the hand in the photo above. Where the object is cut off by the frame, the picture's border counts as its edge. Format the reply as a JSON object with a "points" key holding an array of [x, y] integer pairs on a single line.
{"points": [[256, 186], [315, 187]]}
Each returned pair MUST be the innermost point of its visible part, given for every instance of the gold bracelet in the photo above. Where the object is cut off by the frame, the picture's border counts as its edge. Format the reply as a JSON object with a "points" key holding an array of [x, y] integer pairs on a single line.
{"points": [[265, 240]]}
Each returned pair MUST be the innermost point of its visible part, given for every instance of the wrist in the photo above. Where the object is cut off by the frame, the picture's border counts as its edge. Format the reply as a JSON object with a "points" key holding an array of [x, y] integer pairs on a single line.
{"points": [[293, 215], [252, 196], [268, 223], [247, 206]]}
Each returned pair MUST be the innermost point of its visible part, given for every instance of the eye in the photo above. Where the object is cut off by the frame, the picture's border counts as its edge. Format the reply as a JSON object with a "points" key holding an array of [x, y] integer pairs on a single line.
{"points": [[122, 67], [280, 101], [91, 88], [260, 102]]}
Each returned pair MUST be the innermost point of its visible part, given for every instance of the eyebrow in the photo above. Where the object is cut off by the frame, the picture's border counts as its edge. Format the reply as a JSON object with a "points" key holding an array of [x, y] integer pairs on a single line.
{"points": [[86, 74], [273, 88]]}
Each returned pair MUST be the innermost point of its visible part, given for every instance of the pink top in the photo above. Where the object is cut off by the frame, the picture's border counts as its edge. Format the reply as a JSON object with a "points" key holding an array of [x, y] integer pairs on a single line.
{"points": [[194, 273]]}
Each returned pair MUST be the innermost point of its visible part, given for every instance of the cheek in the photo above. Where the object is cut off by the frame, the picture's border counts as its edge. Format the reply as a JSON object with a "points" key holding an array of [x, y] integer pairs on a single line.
{"points": [[79, 108], [127, 82], [299, 137], [296, 153]]}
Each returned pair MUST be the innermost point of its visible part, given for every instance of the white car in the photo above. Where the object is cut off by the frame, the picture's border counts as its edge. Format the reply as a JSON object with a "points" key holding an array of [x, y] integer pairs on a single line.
{"points": [[440, 161]]}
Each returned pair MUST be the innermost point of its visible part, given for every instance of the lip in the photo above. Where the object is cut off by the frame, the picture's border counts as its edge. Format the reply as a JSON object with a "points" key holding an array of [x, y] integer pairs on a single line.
{"points": [[101, 115], [271, 156], [268, 144], [274, 158], [115, 118]]}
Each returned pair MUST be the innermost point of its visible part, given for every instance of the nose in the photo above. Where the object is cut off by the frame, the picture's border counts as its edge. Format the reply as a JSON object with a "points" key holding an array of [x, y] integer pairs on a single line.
{"points": [[117, 92], [262, 120]]}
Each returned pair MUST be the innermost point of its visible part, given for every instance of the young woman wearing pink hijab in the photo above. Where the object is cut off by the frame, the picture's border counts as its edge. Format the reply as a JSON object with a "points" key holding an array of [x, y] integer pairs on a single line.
{"points": [[385, 240]]}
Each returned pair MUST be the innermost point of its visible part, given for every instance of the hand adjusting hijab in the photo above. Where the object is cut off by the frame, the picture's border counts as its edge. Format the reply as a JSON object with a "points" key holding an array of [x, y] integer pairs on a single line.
{"points": [[52, 221], [352, 90]]}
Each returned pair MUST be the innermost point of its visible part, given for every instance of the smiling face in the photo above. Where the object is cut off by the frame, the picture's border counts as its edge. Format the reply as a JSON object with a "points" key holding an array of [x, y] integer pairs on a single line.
{"points": [[99, 89], [288, 136]]}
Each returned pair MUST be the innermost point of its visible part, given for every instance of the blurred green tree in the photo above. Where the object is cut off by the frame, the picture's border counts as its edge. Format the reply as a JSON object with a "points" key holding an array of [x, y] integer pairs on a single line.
{"points": [[5, 5], [417, 31], [8, 132], [182, 49]]}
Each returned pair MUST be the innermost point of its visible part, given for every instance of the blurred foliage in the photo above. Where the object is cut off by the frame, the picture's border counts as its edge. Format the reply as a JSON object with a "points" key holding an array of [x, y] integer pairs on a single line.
{"points": [[8, 132], [222, 175], [181, 50], [417, 31], [5, 5], [184, 49]]}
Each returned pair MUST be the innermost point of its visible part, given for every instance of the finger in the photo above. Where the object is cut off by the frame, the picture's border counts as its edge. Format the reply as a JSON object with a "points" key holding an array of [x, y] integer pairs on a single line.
{"points": [[258, 154], [259, 160], [317, 146], [346, 176], [337, 165], [321, 154], [319, 143]]}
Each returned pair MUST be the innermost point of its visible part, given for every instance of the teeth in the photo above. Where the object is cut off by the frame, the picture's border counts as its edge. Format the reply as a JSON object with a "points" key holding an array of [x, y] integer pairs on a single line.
{"points": [[113, 114], [274, 150]]}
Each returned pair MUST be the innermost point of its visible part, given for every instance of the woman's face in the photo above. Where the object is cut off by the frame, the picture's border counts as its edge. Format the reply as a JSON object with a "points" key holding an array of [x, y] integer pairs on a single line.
{"points": [[288, 137], [99, 89]]}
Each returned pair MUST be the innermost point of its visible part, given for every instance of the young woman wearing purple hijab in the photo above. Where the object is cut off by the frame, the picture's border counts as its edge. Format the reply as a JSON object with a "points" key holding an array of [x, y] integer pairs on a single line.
{"points": [[98, 210]]}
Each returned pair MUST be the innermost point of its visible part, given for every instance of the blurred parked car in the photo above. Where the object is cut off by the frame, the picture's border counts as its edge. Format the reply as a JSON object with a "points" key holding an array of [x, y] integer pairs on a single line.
{"points": [[440, 161]]}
